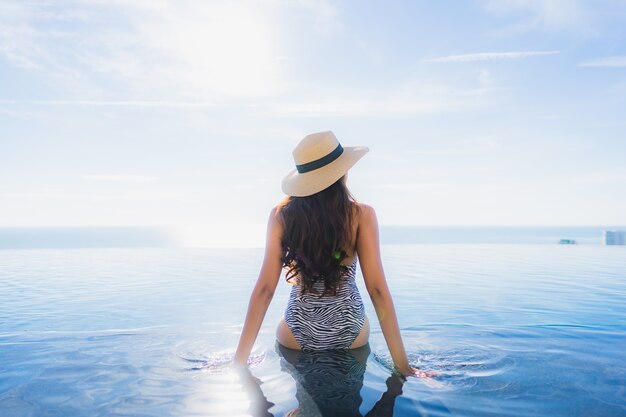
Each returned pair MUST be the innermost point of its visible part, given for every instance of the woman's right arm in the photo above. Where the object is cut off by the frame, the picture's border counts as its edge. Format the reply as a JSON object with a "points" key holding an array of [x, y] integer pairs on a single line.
{"points": [[263, 291], [368, 249]]}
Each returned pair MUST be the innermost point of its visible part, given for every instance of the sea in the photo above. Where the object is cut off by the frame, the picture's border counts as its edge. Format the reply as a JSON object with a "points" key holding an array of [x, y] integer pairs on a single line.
{"points": [[512, 322]]}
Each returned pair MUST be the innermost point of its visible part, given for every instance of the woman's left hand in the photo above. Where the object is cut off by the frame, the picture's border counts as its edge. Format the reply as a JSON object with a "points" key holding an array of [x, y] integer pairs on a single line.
{"points": [[410, 371]]}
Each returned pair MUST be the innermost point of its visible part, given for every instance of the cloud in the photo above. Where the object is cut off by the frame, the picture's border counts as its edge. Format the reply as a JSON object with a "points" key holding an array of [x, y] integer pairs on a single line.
{"points": [[574, 180], [121, 178], [490, 56], [92, 196], [386, 106], [543, 15], [609, 61], [113, 103], [219, 49], [401, 101], [445, 151], [198, 49], [412, 96], [324, 14], [410, 186], [161, 54]]}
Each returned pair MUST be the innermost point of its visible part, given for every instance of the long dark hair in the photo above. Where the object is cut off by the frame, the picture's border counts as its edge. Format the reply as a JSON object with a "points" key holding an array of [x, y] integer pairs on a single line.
{"points": [[317, 230]]}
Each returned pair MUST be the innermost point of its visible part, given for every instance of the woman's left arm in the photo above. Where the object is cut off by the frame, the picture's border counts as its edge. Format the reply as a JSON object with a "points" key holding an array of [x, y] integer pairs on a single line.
{"points": [[263, 291]]}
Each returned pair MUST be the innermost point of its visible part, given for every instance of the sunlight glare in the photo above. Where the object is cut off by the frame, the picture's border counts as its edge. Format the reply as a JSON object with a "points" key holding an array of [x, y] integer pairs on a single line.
{"points": [[218, 47], [244, 235]]}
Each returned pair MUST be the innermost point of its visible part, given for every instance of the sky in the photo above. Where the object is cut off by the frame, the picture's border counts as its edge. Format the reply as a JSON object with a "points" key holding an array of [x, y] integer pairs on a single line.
{"points": [[183, 114]]}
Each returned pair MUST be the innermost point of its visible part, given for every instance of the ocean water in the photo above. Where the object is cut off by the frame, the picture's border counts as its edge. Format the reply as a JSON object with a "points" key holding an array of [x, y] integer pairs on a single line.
{"points": [[512, 330], [253, 235]]}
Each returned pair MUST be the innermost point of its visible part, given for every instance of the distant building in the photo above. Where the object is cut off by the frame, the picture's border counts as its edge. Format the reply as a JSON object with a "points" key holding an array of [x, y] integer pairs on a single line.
{"points": [[614, 237], [567, 242]]}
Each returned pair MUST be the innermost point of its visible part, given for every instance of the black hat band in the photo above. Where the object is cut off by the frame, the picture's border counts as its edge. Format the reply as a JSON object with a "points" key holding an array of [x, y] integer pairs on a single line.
{"points": [[323, 161]]}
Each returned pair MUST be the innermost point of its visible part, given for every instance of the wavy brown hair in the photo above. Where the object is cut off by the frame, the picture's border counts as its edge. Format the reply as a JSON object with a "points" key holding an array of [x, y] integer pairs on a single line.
{"points": [[317, 230]]}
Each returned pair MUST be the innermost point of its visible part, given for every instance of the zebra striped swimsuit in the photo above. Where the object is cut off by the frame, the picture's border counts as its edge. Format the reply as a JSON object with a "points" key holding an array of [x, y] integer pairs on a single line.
{"points": [[330, 322]]}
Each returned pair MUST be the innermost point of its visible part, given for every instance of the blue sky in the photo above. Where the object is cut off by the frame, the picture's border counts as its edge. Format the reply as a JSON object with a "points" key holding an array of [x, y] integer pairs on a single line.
{"points": [[184, 114]]}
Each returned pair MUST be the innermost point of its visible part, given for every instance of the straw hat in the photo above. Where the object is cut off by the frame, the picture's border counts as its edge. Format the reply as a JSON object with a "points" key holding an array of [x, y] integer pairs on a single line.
{"points": [[320, 161]]}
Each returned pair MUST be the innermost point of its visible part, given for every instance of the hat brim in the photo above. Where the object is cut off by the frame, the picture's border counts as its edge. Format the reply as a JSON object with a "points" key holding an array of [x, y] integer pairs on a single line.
{"points": [[302, 185]]}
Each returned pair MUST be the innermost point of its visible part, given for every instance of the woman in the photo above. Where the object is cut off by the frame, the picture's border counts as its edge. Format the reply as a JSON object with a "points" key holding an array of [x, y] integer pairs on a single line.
{"points": [[317, 233]]}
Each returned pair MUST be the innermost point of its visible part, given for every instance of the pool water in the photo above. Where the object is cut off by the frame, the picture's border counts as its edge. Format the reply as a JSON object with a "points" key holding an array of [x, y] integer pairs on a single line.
{"points": [[512, 330]]}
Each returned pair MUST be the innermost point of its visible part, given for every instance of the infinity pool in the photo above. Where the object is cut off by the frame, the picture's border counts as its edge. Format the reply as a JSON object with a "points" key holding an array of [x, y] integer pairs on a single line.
{"points": [[513, 330]]}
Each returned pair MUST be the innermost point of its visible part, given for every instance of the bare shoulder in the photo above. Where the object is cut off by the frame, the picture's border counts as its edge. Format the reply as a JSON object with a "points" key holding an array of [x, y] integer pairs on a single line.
{"points": [[275, 216], [366, 227], [365, 214], [274, 234]]}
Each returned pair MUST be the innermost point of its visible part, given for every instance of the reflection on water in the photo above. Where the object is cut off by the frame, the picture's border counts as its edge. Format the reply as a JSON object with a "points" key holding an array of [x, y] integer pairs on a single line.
{"points": [[328, 384]]}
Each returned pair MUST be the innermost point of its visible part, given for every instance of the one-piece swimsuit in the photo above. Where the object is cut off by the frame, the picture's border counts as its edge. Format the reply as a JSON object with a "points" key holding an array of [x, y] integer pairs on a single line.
{"points": [[329, 322]]}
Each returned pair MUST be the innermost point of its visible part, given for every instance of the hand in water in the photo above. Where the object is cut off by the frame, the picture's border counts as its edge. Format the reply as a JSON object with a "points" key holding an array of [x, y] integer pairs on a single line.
{"points": [[239, 368], [424, 374], [418, 373]]}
